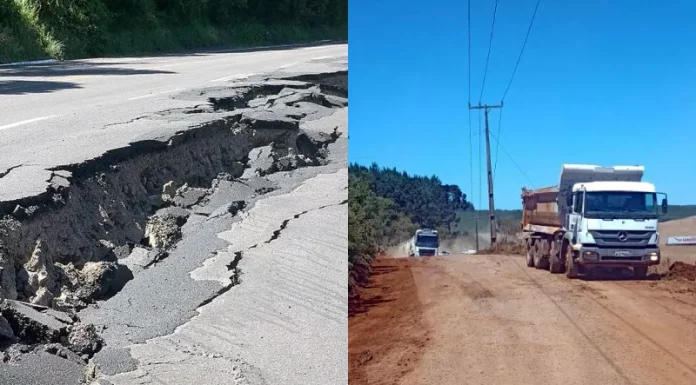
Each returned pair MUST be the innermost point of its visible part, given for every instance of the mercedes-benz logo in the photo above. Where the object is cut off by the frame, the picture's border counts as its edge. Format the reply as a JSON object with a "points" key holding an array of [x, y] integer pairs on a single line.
{"points": [[623, 236]]}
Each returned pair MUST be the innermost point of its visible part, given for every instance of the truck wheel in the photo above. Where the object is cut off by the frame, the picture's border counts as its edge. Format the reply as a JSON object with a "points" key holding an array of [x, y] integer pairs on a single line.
{"points": [[537, 254], [556, 258], [571, 269], [555, 265], [640, 272], [541, 260], [530, 253]]}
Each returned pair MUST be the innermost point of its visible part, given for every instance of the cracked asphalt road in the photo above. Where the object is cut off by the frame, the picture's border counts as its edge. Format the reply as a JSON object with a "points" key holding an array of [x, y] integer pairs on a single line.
{"points": [[285, 323], [183, 319], [76, 110]]}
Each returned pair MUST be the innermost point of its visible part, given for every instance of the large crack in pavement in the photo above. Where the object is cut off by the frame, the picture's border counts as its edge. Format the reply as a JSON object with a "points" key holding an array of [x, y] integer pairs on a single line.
{"points": [[100, 242], [276, 233], [293, 291]]}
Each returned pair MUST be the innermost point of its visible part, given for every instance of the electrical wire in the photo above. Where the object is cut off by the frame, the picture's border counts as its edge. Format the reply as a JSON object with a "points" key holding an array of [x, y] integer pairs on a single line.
{"points": [[497, 144], [513, 161], [471, 143], [468, 29], [521, 51], [488, 56]]}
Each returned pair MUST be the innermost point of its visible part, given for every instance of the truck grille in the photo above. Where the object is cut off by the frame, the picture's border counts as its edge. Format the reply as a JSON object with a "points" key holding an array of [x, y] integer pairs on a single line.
{"points": [[622, 239], [620, 259], [426, 253]]}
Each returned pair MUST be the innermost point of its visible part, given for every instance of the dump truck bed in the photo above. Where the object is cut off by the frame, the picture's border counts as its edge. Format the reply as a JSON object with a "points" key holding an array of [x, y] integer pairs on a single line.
{"points": [[540, 208]]}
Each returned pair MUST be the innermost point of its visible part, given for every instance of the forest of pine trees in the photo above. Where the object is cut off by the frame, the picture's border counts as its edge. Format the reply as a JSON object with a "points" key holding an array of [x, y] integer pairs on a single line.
{"points": [[386, 206]]}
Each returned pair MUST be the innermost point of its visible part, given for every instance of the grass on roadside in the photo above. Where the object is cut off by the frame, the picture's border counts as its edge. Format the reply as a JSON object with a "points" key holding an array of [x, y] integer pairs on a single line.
{"points": [[73, 29]]}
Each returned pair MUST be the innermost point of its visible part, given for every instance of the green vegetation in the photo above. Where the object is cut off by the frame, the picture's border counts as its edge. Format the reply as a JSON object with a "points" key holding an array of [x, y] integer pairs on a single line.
{"points": [[508, 220], [679, 212], [66, 29], [386, 206]]}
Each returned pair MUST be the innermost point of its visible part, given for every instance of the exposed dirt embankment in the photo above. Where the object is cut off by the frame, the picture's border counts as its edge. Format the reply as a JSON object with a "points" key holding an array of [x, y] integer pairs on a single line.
{"points": [[80, 240], [386, 331]]}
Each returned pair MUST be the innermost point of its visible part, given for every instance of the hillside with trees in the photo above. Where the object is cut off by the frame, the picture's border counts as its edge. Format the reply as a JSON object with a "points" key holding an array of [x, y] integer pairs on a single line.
{"points": [[386, 206], [67, 29]]}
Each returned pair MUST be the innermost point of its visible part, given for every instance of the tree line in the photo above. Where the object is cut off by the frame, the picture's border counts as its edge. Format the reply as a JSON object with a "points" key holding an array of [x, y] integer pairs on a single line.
{"points": [[386, 206], [83, 28]]}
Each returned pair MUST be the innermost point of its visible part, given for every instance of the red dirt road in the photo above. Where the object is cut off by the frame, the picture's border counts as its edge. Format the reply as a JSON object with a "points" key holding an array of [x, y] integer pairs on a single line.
{"points": [[491, 320]]}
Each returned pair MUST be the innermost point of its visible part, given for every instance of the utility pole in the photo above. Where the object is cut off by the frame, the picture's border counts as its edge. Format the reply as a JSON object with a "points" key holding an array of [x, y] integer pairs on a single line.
{"points": [[491, 205]]}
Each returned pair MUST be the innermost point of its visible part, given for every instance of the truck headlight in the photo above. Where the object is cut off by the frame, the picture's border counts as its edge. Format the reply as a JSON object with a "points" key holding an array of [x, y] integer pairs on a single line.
{"points": [[654, 256], [589, 255]]}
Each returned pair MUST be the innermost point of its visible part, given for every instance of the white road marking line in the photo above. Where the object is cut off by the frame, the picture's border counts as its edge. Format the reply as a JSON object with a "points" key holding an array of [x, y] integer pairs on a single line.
{"points": [[142, 97], [155, 94], [288, 65], [239, 76], [27, 122]]}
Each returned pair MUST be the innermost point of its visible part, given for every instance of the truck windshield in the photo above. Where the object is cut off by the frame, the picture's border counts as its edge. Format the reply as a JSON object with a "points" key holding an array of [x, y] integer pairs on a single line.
{"points": [[427, 241], [621, 204]]}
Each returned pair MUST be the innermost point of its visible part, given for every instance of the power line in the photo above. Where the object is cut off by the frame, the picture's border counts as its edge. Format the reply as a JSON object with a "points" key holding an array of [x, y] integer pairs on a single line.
{"points": [[471, 143], [468, 28], [513, 161], [521, 51], [490, 44], [497, 144]]}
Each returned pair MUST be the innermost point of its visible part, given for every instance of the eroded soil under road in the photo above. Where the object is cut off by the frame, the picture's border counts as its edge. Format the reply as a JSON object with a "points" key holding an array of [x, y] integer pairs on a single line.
{"points": [[491, 320]]}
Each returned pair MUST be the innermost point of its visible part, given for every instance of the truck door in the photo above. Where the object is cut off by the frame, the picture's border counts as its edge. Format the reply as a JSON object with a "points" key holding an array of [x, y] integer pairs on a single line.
{"points": [[574, 216]]}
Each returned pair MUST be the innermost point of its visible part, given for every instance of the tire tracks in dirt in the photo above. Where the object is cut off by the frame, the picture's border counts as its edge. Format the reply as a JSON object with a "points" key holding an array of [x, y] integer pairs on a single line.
{"points": [[597, 296], [658, 303], [570, 319], [644, 335]]}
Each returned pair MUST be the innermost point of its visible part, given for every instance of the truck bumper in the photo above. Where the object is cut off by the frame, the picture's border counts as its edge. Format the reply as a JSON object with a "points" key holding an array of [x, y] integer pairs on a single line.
{"points": [[426, 252], [615, 257]]}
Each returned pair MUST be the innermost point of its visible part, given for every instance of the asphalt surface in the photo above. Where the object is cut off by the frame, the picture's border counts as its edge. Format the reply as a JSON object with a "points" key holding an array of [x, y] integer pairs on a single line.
{"points": [[489, 319], [181, 320], [65, 113], [284, 323]]}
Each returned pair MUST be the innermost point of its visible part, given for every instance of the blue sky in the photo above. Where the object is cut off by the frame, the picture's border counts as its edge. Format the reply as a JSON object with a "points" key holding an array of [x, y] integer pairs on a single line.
{"points": [[600, 82]]}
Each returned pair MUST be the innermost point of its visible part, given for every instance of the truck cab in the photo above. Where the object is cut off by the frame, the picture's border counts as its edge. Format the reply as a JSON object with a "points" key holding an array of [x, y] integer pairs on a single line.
{"points": [[615, 222], [425, 243], [594, 217]]}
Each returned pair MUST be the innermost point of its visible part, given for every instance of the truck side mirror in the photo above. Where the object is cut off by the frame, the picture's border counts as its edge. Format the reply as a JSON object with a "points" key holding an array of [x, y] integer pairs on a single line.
{"points": [[664, 205]]}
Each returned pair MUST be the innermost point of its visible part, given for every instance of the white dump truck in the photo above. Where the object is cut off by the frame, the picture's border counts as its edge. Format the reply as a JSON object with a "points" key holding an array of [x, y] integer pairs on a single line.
{"points": [[425, 243], [596, 216]]}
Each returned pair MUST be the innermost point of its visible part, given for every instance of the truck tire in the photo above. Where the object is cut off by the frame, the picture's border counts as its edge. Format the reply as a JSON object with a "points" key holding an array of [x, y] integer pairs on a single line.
{"points": [[555, 265], [541, 260], [556, 258], [571, 269], [640, 272], [530, 253], [537, 252]]}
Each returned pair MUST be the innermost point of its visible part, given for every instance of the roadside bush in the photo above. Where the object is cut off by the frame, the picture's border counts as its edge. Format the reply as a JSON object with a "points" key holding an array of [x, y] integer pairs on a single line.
{"points": [[18, 40], [31, 29]]}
